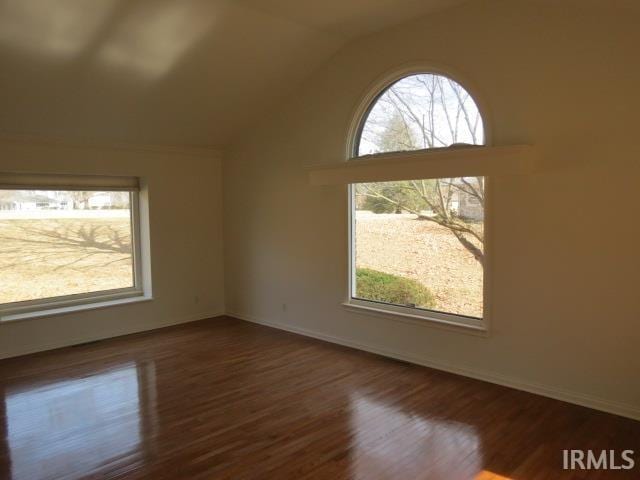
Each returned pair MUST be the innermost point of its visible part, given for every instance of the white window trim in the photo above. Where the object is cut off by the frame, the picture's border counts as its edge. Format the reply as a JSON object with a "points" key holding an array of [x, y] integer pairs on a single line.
{"points": [[426, 317], [409, 318], [392, 76], [140, 291], [53, 310]]}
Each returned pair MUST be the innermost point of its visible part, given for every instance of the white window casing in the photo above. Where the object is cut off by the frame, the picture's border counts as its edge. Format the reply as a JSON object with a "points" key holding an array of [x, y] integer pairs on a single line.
{"points": [[140, 242]]}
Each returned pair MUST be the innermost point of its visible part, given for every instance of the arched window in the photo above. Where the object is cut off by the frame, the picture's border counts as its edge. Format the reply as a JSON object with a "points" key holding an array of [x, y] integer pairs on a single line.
{"points": [[420, 111], [417, 244]]}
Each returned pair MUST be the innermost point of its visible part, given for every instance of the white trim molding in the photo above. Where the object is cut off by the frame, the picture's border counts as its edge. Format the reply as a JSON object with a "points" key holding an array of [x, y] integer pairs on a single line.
{"points": [[90, 303], [475, 326], [576, 398], [447, 162]]}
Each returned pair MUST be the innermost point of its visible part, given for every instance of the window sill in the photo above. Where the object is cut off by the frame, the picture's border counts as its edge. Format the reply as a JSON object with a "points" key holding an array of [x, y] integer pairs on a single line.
{"points": [[8, 316], [422, 320]]}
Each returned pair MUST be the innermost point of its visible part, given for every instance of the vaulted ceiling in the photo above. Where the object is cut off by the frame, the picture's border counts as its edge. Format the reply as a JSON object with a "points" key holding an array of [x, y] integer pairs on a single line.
{"points": [[169, 72]]}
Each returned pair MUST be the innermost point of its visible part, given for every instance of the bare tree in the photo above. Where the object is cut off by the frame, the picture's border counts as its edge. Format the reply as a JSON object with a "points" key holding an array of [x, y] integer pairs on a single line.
{"points": [[81, 199], [433, 200], [428, 111]]}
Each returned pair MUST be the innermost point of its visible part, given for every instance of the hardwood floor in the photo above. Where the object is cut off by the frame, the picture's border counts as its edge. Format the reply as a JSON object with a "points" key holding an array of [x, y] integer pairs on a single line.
{"points": [[224, 399]]}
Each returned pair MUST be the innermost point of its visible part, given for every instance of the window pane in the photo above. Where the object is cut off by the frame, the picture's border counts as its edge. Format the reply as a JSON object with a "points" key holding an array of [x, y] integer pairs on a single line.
{"points": [[421, 111], [420, 244], [55, 243]]}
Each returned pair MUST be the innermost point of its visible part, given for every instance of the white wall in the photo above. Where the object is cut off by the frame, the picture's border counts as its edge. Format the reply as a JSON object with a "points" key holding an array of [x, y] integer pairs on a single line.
{"points": [[566, 309], [185, 219]]}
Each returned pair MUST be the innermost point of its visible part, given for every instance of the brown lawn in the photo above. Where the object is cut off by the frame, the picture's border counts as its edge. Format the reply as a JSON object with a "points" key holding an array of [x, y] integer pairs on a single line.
{"points": [[423, 251], [50, 257]]}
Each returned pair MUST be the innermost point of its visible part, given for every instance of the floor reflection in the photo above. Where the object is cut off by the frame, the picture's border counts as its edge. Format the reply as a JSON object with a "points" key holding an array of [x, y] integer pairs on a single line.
{"points": [[487, 475], [227, 399], [388, 437], [73, 426]]}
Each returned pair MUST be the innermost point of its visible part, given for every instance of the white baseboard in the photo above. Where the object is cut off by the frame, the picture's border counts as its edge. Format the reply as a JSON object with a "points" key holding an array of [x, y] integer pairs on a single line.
{"points": [[94, 337], [616, 408]]}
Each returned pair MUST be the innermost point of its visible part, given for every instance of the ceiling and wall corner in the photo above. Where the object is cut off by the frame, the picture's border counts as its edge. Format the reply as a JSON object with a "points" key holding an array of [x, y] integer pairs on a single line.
{"points": [[157, 72]]}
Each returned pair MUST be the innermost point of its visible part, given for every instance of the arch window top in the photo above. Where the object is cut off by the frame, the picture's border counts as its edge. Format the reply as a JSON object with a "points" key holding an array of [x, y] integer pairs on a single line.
{"points": [[420, 111]]}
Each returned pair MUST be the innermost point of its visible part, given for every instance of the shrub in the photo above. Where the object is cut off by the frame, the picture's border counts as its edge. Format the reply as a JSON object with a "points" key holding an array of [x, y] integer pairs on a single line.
{"points": [[378, 205], [388, 288]]}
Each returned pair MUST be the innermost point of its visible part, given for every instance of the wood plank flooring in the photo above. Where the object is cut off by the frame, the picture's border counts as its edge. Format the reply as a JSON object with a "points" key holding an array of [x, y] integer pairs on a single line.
{"points": [[225, 399]]}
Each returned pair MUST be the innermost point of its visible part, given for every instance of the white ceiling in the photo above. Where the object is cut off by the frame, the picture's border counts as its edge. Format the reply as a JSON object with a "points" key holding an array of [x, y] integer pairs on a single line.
{"points": [[168, 72]]}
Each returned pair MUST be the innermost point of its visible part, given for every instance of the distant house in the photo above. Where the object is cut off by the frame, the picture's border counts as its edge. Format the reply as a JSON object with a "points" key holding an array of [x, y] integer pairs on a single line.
{"points": [[26, 201], [99, 201], [469, 207], [6, 204]]}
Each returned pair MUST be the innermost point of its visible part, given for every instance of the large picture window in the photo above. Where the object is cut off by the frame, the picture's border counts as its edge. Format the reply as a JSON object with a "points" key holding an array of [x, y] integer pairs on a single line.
{"points": [[62, 246], [418, 245]]}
